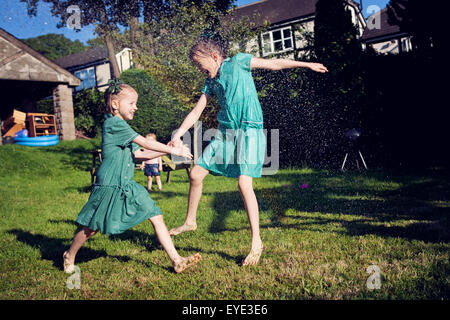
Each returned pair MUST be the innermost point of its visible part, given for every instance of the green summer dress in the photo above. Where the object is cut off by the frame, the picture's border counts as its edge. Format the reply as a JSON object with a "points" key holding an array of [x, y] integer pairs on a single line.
{"points": [[117, 202], [239, 145]]}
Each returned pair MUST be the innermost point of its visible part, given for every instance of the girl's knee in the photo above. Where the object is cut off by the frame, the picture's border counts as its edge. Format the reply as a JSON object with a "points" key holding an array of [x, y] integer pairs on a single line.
{"points": [[197, 175], [245, 182], [89, 232], [157, 219]]}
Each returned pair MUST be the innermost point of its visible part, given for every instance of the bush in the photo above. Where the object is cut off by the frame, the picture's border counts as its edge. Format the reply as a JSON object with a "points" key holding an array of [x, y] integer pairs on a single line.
{"points": [[158, 111], [295, 102], [88, 108]]}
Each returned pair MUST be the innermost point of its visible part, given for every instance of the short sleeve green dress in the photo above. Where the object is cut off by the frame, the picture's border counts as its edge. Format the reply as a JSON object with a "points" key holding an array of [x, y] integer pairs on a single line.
{"points": [[239, 145], [117, 202]]}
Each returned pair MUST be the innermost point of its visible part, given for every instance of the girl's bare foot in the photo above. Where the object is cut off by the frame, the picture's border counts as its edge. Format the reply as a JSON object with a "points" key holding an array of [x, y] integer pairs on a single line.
{"points": [[68, 262], [183, 228], [185, 263], [253, 257]]}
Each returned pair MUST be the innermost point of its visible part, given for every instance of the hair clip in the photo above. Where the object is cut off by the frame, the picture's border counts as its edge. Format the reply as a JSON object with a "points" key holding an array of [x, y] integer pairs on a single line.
{"points": [[114, 86]]}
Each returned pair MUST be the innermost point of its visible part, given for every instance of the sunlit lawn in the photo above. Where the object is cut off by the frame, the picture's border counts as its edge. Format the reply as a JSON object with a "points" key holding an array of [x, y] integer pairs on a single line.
{"points": [[319, 241]]}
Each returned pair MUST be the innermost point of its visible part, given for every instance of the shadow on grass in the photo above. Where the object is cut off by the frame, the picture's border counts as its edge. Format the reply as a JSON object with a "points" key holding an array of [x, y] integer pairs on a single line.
{"points": [[149, 241], [236, 259], [52, 248], [345, 194], [79, 157]]}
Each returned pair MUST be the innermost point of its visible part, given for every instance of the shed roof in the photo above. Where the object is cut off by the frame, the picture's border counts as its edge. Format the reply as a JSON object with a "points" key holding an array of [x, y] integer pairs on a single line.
{"points": [[20, 62]]}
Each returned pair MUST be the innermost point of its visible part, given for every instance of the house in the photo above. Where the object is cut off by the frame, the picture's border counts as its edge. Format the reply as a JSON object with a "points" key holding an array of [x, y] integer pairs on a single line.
{"points": [[288, 19], [26, 76], [385, 36], [93, 68]]}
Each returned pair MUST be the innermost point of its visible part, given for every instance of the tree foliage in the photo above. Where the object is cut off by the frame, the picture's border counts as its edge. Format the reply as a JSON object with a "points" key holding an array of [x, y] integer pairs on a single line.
{"points": [[54, 46], [422, 20], [158, 111], [337, 47], [103, 13]]}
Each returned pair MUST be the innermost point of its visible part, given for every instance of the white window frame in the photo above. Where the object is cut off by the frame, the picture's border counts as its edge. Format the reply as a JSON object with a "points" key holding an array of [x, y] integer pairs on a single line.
{"points": [[282, 40], [81, 86]]}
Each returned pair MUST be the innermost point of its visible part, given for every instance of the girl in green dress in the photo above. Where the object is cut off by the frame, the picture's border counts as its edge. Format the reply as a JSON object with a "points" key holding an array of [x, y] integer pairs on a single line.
{"points": [[238, 148], [117, 202]]}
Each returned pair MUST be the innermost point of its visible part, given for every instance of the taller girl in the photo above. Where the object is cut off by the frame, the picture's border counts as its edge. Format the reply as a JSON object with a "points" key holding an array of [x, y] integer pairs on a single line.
{"points": [[238, 148]]}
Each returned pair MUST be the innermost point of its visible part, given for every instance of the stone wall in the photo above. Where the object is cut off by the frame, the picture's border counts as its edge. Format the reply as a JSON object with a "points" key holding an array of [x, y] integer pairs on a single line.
{"points": [[63, 107]]}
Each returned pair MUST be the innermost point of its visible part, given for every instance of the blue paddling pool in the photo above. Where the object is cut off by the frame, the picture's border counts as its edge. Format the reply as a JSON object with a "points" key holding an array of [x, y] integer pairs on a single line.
{"points": [[42, 141]]}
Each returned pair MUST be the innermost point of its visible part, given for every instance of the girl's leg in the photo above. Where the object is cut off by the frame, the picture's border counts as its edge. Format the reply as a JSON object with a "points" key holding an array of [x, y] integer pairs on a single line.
{"points": [[196, 175], [149, 183], [179, 263], [78, 241], [251, 206], [158, 182]]}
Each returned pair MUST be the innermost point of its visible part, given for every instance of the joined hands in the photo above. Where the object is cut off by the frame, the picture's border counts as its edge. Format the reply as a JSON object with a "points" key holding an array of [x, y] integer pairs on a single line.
{"points": [[180, 149]]}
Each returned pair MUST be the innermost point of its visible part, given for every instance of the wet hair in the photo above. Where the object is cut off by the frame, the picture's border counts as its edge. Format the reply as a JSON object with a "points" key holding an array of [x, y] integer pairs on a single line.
{"points": [[109, 97], [207, 44], [151, 135]]}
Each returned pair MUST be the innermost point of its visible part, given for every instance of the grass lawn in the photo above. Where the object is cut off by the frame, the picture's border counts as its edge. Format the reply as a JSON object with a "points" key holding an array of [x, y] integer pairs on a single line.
{"points": [[319, 241]]}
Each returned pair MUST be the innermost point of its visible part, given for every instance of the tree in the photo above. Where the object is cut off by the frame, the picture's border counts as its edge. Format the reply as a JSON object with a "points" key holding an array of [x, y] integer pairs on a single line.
{"points": [[154, 10], [342, 90], [422, 20], [54, 46], [104, 13], [335, 41], [173, 32]]}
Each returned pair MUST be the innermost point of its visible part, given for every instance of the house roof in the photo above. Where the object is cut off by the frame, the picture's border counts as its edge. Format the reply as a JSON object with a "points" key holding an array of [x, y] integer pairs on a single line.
{"points": [[20, 62], [276, 11], [83, 58], [386, 28]]}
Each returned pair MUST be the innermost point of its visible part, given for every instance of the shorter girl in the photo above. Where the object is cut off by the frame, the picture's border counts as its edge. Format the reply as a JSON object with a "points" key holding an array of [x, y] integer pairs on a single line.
{"points": [[153, 167], [117, 202]]}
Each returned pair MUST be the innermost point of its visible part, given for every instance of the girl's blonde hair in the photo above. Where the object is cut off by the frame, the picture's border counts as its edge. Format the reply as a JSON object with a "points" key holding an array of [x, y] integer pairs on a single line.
{"points": [[206, 45], [109, 97]]}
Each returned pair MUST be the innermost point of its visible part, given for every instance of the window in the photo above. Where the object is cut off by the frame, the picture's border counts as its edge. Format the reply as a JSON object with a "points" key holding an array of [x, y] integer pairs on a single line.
{"points": [[87, 77], [277, 41]]}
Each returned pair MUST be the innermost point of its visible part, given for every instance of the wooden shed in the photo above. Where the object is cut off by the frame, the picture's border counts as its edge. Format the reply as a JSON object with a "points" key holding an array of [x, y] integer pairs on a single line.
{"points": [[26, 76]]}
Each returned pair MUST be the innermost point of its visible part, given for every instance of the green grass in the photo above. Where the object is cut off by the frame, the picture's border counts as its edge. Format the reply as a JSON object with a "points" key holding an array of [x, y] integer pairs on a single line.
{"points": [[319, 241]]}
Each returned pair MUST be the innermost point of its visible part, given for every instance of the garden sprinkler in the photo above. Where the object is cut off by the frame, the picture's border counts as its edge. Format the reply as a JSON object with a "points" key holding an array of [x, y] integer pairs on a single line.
{"points": [[353, 135]]}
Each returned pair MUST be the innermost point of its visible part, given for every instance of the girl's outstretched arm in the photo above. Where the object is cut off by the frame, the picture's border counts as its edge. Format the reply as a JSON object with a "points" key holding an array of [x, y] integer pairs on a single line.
{"points": [[190, 119], [156, 149], [280, 64], [144, 154]]}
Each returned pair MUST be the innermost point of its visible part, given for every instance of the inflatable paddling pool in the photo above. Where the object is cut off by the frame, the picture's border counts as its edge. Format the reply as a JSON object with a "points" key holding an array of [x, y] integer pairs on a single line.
{"points": [[42, 141]]}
